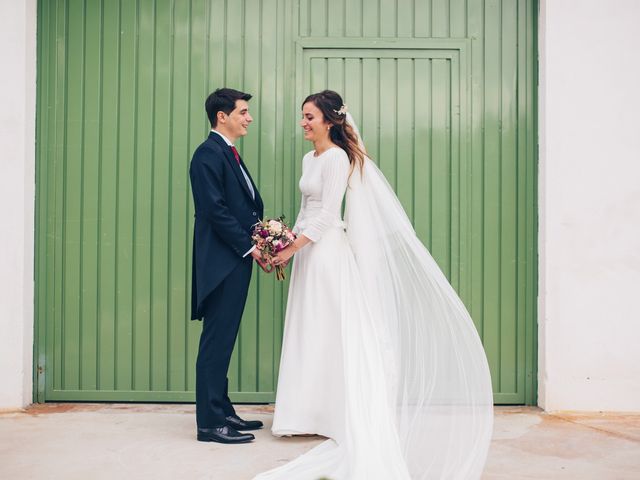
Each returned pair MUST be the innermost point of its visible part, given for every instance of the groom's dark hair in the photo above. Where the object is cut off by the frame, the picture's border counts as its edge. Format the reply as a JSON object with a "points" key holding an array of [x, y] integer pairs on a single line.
{"points": [[223, 100]]}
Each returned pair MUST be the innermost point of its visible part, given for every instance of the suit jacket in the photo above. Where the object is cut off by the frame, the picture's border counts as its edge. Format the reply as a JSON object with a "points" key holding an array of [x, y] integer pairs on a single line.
{"points": [[225, 213]]}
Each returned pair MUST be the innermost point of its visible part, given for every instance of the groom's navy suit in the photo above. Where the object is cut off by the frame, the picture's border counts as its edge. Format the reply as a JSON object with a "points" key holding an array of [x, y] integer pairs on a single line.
{"points": [[225, 211]]}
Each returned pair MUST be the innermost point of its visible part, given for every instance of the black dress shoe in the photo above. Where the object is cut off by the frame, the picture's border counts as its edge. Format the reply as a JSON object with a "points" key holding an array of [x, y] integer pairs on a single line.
{"points": [[224, 434], [236, 422]]}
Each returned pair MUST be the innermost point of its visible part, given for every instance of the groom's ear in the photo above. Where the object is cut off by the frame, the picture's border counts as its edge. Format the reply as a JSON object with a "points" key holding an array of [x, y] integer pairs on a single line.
{"points": [[221, 116]]}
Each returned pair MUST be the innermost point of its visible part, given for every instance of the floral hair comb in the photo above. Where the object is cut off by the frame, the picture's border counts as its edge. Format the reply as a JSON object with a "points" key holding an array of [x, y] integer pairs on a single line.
{"points": [[342, 111]]}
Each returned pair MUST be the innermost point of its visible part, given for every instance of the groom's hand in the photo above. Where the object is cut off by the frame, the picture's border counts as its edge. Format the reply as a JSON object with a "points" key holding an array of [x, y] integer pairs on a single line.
{"points": [[258, 258]]}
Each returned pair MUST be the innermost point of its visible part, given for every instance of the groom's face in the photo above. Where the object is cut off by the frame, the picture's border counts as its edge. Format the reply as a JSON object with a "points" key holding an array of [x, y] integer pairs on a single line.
{"points": [[236, 123]]}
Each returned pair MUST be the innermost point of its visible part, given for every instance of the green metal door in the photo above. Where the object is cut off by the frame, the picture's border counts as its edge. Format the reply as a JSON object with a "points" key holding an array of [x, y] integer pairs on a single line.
{"points": [[444, 95]]}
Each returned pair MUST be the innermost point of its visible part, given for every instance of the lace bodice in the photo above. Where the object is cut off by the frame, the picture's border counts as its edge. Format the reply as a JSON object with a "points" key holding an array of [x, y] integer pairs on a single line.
{"points": [[323, 184]]}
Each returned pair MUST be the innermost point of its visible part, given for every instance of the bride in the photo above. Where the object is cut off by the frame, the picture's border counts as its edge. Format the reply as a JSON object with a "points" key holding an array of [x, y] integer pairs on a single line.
{"points": [[379, 354]]}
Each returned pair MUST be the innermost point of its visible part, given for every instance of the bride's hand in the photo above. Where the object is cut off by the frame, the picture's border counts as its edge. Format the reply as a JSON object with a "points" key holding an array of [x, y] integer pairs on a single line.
{"points": [[284, 256]]}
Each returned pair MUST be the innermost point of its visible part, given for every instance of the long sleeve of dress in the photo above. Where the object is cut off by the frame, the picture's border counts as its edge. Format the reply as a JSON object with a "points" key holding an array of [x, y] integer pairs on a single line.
{"points": [[335, 176]]}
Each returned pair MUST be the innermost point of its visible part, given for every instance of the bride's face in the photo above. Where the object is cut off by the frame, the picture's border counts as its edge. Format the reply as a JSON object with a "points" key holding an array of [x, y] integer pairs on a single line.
{"points": [[313, 123]]}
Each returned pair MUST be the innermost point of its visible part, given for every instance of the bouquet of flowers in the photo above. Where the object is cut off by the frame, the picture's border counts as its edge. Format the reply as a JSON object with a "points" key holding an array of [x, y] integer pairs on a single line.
{"points": [[271, 237]]}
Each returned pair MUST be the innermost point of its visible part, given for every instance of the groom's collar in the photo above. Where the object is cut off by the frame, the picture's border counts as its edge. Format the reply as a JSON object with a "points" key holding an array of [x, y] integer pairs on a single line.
{"points": [[226, 140]]}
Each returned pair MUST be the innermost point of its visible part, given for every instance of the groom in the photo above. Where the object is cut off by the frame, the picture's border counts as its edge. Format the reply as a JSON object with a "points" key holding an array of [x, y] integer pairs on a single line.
{"points": [[227, 204]]}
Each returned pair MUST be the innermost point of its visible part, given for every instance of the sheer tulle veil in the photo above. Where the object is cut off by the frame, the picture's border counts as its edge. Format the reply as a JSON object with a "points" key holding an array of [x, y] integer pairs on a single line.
{"points": [[440, 381], [418, 398]]}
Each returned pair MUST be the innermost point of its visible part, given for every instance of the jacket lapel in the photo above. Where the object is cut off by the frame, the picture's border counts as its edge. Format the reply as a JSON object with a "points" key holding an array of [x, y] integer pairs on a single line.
{"points": [[257, 199], [234, 165]]}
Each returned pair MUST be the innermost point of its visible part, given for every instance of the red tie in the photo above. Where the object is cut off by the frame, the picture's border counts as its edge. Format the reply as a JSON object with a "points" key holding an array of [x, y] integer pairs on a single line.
{"points": [[235, 154]]}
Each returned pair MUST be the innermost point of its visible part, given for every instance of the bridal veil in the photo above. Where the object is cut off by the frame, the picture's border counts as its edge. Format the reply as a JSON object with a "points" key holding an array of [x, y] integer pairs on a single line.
{"points": [[441, 382]]}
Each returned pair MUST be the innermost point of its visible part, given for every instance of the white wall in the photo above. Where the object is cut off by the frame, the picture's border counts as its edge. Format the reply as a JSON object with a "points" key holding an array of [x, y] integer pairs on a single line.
{"points": [[17, 187], [589, 241]]}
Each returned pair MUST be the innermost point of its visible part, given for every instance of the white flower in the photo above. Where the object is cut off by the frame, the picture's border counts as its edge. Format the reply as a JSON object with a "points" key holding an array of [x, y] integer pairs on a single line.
{"points": [[275, 226], [343, 110]]}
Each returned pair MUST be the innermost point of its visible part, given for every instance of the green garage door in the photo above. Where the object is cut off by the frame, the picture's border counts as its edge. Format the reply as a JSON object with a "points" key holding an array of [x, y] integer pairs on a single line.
{"points": [[444, 94]]}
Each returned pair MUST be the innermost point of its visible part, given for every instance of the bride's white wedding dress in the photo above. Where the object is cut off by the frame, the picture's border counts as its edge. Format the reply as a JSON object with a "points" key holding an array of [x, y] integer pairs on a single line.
{"points": [[379, 354]]}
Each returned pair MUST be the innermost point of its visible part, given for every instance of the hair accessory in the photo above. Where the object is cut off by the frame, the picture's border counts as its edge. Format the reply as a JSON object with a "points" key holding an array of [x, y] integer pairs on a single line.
{"points": [[342, 111]]}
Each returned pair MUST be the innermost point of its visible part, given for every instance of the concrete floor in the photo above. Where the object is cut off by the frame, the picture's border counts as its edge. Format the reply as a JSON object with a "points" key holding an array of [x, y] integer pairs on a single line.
{"points": [[133, 441]]}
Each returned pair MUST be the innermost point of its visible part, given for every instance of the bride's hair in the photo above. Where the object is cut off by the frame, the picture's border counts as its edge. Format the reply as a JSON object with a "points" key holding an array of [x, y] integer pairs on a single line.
{"points": [[334, 111]]}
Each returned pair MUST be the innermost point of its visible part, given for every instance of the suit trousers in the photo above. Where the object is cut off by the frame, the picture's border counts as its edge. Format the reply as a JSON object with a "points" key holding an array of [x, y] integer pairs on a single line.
{"points": [[222, 313]]}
